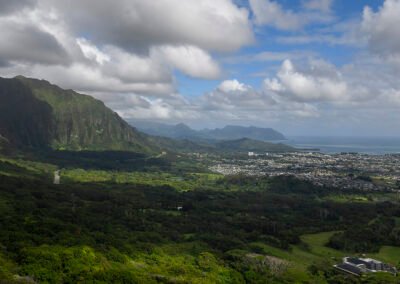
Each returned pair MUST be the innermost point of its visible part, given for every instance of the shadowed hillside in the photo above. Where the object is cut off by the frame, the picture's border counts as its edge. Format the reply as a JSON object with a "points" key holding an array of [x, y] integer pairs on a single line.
{"points": [[35, 113]]}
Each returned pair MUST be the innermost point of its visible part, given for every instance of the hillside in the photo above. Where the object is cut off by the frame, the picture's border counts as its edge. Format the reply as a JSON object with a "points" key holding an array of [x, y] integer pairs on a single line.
{"points": [[242, 145], [178, 131], [37, 114], [181, 145]]}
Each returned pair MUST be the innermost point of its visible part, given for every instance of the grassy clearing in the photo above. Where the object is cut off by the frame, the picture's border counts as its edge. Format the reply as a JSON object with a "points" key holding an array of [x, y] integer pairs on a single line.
{"points": [[362, 198], [388, 254], [24, 168], [314, 250], [184, 182], [300, 257]]}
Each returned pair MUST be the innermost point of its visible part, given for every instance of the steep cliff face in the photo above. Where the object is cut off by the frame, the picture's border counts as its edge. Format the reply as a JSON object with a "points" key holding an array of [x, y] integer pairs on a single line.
{"points": [[39, 114], [24, 120]]}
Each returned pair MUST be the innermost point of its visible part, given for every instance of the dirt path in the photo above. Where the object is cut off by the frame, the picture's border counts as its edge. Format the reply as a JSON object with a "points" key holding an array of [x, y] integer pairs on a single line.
{"points": [[57, 178]]}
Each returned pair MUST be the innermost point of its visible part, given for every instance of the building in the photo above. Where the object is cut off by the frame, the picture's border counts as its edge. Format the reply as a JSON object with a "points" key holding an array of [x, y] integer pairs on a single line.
{"points": [[357, 266]]}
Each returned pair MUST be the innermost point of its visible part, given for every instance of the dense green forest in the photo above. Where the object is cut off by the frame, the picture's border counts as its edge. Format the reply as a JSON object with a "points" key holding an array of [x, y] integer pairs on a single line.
{"points": [[165, 222]]}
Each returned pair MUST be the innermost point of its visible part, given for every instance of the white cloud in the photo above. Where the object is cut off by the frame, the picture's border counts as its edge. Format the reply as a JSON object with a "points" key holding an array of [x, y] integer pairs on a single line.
{"points": [[132, 68], [42, 42], [91, 51], [232, 86], [314, 86], [271, 13], [191, 60], [233, 100], [138, 24], [381, 28]]}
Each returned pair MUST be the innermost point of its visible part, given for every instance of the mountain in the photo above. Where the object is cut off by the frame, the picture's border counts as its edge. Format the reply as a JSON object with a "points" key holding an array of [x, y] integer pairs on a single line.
{"points": [[230, 132], [37, 114], [242, 145], [178, 131], [250, 145], [182, 145]]}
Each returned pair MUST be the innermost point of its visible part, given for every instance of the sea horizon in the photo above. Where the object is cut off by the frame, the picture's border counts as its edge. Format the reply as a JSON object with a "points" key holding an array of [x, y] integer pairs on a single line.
{"points": [[375, 145]]}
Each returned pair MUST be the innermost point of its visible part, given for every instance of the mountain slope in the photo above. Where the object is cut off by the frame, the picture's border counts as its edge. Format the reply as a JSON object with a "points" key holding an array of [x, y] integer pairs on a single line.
{"points": [[35, 113], [178, 131]]}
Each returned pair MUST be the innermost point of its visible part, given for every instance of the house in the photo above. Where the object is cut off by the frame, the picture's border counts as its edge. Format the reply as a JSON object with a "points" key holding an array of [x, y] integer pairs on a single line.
{"points": [[358, 266]]}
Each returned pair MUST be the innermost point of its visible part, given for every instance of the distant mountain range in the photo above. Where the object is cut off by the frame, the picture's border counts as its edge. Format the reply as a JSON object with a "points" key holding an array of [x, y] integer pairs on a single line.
{"points": [[242, 145], [35, 114], [229, 132]]}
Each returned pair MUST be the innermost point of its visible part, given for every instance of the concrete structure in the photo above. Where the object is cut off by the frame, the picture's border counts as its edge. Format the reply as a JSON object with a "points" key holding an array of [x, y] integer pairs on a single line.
{"points": [[357, 266]]}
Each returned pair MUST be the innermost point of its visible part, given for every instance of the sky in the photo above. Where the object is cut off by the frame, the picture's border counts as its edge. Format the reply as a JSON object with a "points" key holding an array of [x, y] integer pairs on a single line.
{"points": [[303, 67]]}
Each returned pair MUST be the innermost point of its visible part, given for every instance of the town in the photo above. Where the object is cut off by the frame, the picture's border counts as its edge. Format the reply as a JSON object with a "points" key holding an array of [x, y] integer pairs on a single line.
{"points": [[343, 170]]}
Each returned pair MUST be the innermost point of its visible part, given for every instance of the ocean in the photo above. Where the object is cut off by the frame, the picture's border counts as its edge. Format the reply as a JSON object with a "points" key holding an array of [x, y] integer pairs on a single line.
{"points": [[365, 145]]}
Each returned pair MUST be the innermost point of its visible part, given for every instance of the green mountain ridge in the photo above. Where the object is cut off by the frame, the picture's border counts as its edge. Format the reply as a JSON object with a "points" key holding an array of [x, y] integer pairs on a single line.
{"points": [[229, 132], [220, 146], [37, 114]]}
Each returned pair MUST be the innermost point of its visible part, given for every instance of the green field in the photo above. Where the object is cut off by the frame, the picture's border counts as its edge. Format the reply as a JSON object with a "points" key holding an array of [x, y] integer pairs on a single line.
{"points": [[183, 182]]}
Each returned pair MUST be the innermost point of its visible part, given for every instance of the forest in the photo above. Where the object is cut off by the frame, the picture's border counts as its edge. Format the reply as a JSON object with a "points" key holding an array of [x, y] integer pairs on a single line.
{"points": [[108, 223]]}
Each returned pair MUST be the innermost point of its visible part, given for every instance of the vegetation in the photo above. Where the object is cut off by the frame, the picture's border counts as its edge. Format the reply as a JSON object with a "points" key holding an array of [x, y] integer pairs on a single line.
{"points": [[34, 113], [109, 222]]}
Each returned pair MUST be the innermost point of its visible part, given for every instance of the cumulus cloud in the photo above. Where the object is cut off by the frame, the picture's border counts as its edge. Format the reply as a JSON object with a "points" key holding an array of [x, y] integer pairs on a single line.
{"points": [[233, 100], [271, 13], [232, 86], [191, 60], [49, 41], [231, 94], [138, 24], [23, 42], [381, 28], [321, 83]]}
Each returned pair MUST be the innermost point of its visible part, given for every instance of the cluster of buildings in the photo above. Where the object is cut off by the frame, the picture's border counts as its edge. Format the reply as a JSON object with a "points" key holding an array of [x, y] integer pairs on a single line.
{"points": [[358, 266], [345, 170]]}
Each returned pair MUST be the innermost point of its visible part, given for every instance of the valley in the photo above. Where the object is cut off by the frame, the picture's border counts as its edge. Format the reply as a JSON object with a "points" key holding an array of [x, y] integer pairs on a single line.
{"points": [[86, 198], [166, 222]]}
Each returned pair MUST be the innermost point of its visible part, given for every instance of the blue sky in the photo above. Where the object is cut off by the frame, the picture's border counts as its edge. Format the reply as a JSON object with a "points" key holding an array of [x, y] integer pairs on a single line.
{"points": [[266, 40], [304, 67]]}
